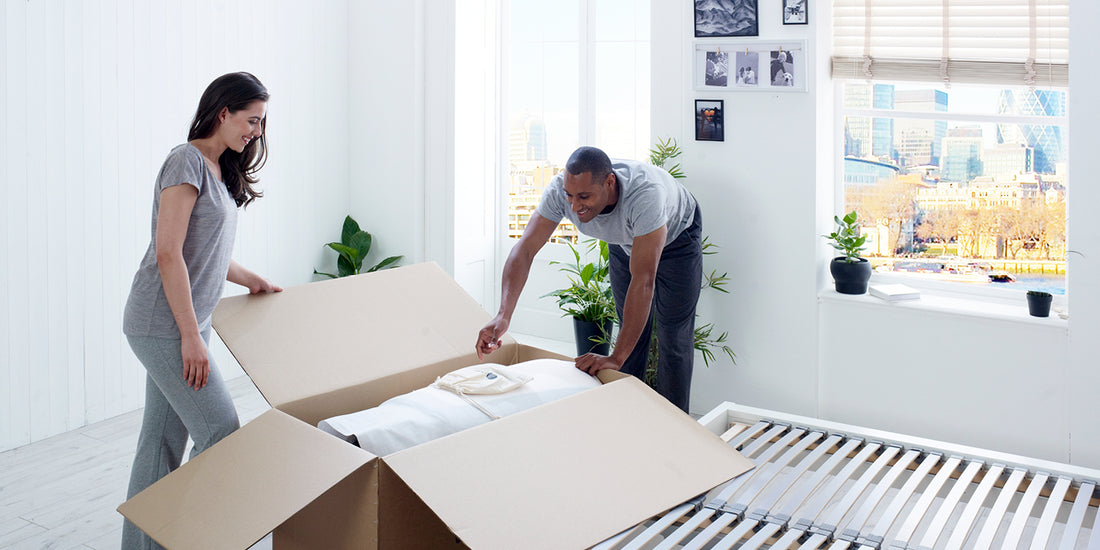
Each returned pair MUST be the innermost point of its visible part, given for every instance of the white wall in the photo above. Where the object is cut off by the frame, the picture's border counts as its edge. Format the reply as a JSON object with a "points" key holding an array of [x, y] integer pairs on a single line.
{"points": [[758, 194], [92, 97], [1083, 376], [401, 79], [768, 193]]}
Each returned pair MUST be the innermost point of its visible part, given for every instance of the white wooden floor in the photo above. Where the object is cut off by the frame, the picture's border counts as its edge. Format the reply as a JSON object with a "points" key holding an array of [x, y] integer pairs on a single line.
{"points": [[62, 492]]}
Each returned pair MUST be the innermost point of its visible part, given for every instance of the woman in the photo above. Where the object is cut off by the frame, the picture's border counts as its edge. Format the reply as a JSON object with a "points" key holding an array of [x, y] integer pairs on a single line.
{"points": [[180, 280]]}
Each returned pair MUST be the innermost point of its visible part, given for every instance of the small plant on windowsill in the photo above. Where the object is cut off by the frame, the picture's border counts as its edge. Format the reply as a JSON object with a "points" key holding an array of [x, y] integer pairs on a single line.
{"points": [[353, 248], [851, 272]]}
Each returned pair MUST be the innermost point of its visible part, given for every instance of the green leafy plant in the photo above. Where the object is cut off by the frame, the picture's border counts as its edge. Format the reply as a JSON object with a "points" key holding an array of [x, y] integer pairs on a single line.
{"points": [[353, 248], [664, 151], [846, 238], [707, 338], [588, 296]]}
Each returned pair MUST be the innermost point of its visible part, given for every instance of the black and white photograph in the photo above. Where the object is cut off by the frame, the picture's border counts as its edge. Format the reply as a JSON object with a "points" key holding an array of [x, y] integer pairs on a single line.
{"points": [[795, 12], [748, 66], [782, 70], [718, 68], [726, 18], [709, 125]]}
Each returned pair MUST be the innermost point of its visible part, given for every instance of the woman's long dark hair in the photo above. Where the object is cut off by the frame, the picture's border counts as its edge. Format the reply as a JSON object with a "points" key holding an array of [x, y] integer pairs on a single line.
{"points": [[234, 91]]}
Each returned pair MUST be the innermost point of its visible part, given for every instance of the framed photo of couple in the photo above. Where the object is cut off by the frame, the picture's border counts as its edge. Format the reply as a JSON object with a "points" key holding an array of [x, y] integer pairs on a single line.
{"points": [[750, 66]]}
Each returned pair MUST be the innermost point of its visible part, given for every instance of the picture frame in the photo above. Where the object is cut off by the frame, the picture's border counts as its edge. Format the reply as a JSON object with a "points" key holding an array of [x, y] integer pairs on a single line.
{"points": [[710, 120], [751, 66], [796, 12], [727, 18]]}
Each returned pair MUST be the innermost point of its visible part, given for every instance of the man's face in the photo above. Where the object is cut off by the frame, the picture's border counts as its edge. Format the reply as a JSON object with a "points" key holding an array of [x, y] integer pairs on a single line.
{"points": [[588, 196]]}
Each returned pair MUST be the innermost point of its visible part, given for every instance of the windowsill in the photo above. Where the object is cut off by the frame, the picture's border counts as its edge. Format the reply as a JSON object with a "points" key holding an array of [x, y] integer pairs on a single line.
{"points": [[958, 303]]}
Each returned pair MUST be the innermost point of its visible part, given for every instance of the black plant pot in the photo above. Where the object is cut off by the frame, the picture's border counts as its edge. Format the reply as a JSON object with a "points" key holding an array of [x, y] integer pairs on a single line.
{"points": [[587, 331], [850, 277], [1038, 303]]}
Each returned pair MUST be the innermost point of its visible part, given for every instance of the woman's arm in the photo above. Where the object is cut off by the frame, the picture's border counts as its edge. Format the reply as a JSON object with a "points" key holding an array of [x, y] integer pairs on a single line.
{"points": [[255, 284], [176, 203]]}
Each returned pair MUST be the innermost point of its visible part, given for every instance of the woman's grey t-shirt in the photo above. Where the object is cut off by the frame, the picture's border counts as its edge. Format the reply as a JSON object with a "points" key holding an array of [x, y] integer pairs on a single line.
{"points": [[207, 249], [648, 198]]}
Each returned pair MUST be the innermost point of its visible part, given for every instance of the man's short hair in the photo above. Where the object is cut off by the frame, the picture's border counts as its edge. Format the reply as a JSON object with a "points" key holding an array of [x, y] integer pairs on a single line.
{"points": [[589, 159]]}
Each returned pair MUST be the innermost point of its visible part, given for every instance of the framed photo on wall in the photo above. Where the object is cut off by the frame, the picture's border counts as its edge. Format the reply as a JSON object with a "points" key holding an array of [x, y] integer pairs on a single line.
{"points": [[726, 18], [796, 12], [709, 120], [748, 65]]}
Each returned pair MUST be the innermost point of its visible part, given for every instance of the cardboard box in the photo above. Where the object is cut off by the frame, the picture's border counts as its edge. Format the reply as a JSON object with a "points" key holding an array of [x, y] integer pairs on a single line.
{"points": [[567, 474]]}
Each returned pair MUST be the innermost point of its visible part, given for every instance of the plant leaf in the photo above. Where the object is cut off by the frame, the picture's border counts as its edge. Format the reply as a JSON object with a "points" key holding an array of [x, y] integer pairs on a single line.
{"points": [[329, 275], [361, 242], [385, 263], [344, 266], [351, 227]]}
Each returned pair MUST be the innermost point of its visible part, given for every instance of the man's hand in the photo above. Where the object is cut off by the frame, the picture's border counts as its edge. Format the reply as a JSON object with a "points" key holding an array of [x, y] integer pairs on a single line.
{"points": [[488, 340], [594, 362]]}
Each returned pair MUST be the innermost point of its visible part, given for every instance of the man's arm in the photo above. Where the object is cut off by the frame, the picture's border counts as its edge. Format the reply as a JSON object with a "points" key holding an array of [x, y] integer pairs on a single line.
{"points": [[516, 269], [645, 254]]}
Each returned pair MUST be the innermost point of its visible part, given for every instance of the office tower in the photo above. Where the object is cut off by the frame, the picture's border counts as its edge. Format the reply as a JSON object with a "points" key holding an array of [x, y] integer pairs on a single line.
{"points": [[1047, 141], [962, 154], [1007, 159], [866, 136], [918, 141]]}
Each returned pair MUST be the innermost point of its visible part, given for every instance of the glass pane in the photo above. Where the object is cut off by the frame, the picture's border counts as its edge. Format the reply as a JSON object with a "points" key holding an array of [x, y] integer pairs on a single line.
{"points": [[616, 101], [618, 20], [981, 201], [543, 103]]}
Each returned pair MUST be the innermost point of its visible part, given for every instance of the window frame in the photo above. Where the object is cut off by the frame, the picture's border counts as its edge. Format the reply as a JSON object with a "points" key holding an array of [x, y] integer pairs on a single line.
{"points": [[976, 294]]}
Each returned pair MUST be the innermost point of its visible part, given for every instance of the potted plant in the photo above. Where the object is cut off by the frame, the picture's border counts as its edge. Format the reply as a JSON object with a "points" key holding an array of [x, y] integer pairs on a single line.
{"points": [[588, 299], [1038, 303], [353, 248], [850, 271], [708, 339]]}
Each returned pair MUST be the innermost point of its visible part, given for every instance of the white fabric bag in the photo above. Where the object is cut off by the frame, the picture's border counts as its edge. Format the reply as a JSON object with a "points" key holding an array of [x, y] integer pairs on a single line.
{"points": [[483, 380]]}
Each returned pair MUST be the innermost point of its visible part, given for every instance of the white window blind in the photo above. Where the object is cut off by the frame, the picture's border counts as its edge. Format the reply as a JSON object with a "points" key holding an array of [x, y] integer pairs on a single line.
{"points": [[1014, 42]]}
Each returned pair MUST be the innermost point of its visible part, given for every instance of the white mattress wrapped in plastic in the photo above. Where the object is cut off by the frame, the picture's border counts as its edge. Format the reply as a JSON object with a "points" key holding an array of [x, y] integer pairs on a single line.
{"points": [[429, 413]]}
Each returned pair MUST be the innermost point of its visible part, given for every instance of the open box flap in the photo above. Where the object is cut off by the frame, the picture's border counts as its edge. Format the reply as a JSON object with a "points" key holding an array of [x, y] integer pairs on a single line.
{"points": [[238, 491], [568, 474], [332, 335]]}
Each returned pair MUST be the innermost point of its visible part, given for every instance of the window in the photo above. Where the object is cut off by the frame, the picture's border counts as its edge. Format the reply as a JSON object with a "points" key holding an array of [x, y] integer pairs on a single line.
{"points": [[577, 74], [955, 138]]}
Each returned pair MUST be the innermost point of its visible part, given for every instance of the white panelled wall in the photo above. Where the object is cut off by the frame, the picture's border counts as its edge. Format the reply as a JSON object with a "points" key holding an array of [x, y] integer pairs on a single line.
{"points": [[92, 97]]}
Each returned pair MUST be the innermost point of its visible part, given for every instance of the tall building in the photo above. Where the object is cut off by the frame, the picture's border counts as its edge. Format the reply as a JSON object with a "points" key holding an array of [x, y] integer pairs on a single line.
{"points": [[529, 172], [866, 136], [962, 154], [882, 129], [1048, 141], [918, 141], [1006, 159]]}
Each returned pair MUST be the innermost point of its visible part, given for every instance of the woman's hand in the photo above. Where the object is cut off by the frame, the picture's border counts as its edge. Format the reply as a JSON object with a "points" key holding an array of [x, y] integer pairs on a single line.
{"points": [[261, 285], [196, 361]]}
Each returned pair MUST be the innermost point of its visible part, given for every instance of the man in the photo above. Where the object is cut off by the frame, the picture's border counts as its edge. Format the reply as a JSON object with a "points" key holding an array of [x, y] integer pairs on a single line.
{"points": [[654, 228]]}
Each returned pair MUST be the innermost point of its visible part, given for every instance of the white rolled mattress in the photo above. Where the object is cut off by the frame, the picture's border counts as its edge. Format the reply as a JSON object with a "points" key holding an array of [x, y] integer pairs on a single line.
{"points": [[430, 413]]}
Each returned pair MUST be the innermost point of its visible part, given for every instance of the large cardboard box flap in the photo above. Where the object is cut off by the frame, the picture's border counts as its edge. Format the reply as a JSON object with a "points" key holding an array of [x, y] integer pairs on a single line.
{"points": [[568, 474], [238, 491], [336, 337]]}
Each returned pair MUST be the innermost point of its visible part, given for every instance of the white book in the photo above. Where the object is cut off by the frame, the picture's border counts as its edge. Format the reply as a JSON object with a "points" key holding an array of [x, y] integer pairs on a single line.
{"points": [[895, 292]]}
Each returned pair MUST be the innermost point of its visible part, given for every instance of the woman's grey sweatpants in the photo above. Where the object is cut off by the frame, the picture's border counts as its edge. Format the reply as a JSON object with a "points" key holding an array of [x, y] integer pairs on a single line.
{"points": [[172, 411]]}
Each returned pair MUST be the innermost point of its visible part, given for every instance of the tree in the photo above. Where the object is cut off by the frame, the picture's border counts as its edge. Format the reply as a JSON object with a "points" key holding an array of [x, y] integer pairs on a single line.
{"points": [[940, 225], [888, 202]]}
